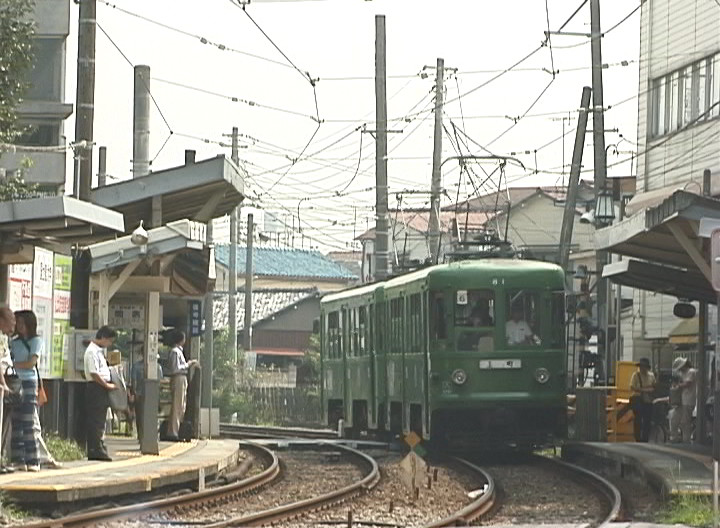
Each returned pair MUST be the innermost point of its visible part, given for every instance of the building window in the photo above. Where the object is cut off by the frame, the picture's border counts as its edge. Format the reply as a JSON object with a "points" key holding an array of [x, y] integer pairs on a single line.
{"points": [[46, 75], [40, 135], [685, 96]]}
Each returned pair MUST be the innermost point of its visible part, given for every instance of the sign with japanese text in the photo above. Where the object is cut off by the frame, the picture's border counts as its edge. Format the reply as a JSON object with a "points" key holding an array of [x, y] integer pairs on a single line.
{"points": [[20, 287], [42, 305], [61, 314]]}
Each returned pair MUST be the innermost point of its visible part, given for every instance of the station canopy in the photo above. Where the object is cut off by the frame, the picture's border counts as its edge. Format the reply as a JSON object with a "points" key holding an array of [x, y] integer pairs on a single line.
{"points": [[55, 222], [197, 191], [665, 246]]}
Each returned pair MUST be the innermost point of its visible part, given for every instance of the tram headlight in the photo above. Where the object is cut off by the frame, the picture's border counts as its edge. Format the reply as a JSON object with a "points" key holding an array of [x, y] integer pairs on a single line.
{"points": [[542, 375], [459, 376]]}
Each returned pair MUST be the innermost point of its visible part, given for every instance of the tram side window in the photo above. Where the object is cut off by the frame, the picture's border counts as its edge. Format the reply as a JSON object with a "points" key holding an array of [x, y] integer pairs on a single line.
{"points": [[396, 325], [362, 331], [557, 321], [370, 345], [522, 318], [334, 337], [475, 308], [415, 326], [438, 326]]}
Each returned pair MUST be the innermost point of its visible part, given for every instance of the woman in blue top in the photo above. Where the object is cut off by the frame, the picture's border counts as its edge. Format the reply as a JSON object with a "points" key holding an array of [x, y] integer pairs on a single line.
{"points": [[25, 349]]}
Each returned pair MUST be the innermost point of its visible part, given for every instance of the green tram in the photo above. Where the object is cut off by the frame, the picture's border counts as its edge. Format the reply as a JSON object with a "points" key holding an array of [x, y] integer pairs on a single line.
{"points": [[472, 351]]}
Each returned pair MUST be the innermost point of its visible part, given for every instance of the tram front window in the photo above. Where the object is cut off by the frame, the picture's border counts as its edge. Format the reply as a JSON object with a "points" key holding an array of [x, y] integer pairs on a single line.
{"points": [[522, 318], [475, 319]]}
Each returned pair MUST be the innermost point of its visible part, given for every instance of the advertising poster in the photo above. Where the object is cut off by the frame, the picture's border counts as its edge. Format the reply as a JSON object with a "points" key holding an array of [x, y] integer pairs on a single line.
{"points": [[20, 287], [43, 278], [61, 315]]}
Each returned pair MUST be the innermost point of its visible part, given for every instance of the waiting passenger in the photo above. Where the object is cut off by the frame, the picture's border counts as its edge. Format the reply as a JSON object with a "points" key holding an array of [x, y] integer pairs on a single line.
{"points": [[642, 385], [26, 349], [517, 331], [178, 383]]}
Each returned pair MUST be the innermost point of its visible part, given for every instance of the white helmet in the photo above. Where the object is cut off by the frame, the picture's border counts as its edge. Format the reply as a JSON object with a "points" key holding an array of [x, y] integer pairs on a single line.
{"points": [[679, 363]]}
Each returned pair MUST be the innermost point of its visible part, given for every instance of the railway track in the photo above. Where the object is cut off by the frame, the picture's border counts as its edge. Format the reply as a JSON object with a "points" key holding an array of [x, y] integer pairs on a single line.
{"points": [[226, 493], [541, 490], [602, 486], [261, 431]]}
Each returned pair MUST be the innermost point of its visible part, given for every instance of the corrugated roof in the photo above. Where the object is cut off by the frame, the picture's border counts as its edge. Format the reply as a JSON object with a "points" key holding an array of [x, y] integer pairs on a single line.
{"points": [[286, 262], [265, 304]]}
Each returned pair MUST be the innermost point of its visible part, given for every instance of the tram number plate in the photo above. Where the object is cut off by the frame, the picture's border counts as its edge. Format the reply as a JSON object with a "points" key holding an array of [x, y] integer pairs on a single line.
{"points": [[499, 364]]}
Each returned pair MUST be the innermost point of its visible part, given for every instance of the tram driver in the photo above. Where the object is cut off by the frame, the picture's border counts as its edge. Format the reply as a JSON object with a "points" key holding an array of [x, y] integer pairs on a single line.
{"points": [[517, 330]]}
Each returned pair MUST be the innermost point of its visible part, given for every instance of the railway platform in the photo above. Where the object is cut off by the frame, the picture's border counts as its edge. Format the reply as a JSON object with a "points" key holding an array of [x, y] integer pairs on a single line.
{"points": [[671, 469], [130, 472]]}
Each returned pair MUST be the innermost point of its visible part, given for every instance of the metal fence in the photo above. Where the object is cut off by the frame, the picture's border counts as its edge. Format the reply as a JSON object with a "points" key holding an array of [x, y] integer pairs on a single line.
{"points": [[297, 406]]}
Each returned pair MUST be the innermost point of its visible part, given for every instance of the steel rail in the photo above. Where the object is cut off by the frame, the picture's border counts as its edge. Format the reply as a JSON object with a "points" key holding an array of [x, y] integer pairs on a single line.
{"points": [[270, 473], [292, 510], [604, 486], [475, 509], [258, 431]]}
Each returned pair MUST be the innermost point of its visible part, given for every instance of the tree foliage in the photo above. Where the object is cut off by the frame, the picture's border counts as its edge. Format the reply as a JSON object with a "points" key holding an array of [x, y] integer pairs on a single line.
{"points": [[16, 31]]}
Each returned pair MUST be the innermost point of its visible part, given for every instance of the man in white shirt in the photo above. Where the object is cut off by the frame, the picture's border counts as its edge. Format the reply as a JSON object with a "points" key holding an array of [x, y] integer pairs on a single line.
{"points": [[97, 401], [517, 331]]}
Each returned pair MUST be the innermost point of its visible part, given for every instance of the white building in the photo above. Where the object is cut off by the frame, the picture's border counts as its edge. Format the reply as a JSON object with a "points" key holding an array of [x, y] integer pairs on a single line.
{"points": [[44, 109], [678, 139]]}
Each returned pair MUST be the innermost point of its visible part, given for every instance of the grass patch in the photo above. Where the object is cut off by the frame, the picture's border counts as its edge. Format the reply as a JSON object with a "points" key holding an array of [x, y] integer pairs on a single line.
{"points": [[688, 509], [548, 452], [9, 512], [63, 449]]}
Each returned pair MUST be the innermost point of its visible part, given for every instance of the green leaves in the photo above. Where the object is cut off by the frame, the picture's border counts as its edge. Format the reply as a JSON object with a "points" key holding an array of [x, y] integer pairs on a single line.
{"points": [[16, 31]]}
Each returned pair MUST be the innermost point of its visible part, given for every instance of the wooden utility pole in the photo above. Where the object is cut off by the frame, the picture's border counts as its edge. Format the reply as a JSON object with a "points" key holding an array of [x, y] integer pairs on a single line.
{"points": [[381, 186], [247, 334], [85, 99], [232, 283], [571, 197], [434, 224], [600, 176]]}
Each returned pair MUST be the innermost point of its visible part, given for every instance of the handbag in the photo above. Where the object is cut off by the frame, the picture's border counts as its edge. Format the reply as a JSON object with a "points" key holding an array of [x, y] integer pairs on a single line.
{"points": [[42, 398], [14, 383]]}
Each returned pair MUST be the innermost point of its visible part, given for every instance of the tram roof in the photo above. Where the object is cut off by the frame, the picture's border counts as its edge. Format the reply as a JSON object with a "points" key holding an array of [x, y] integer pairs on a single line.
{"points": [[486, 265]]}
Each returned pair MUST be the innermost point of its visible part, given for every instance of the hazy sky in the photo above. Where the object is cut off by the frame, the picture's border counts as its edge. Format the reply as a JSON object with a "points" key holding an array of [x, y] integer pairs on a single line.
{"points": [[333, 41]]}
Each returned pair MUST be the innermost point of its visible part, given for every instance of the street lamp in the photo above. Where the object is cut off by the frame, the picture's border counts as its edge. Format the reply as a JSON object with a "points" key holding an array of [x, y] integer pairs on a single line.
{"points": [[604, 208]]}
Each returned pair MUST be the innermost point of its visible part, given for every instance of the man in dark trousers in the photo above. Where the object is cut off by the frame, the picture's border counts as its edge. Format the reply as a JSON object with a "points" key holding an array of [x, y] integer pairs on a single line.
{"points": [[97, 401]]}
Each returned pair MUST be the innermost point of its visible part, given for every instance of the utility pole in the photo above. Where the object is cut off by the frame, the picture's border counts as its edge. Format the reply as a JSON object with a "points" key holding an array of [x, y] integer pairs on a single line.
{"points": [[141, 122], [434, 224], [247, 334], [381, 186], [206, 360], [102, 167], [600, 175], [232, 283], [85, 98], [571, 197]]}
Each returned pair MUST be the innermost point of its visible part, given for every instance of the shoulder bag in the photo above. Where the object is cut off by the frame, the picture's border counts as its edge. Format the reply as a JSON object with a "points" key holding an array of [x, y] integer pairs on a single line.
{"points": [[42, 398]]}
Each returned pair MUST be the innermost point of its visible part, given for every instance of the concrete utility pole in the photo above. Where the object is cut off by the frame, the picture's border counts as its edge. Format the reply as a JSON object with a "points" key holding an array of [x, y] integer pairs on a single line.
{"points": [[206, 359], [434, 224], [247, 334], [600, 174], [571, 197], [232, 283], [381, 186], [102, 167], [141, 121], [85, 98]]}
